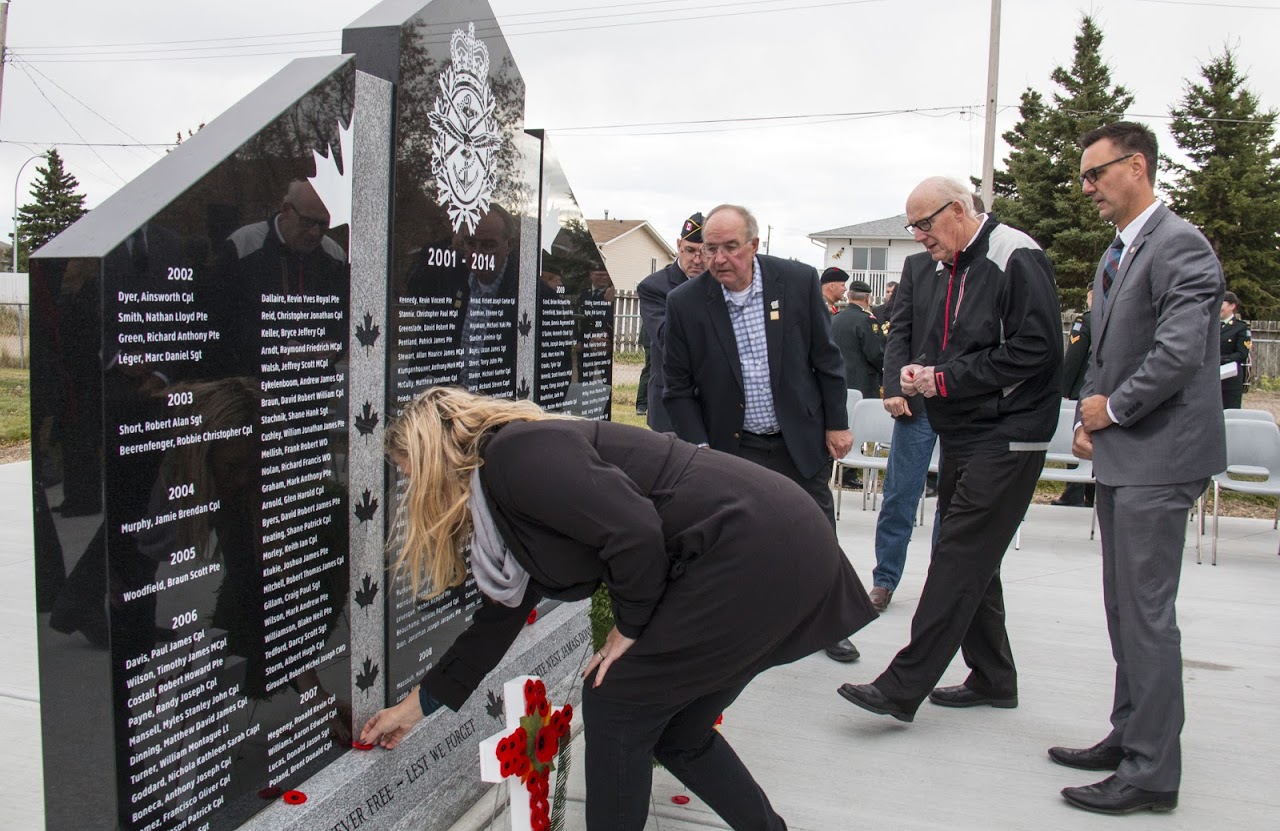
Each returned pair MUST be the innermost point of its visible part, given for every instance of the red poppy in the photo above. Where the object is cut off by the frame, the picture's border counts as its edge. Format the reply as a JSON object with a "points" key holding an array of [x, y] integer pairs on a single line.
{"points": [[361, 746], [680, 799], [546, 745], [294, 797], [533, 615]]}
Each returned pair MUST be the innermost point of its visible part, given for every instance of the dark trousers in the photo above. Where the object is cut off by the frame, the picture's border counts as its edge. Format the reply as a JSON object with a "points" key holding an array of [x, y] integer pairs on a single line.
{"points": [[1232, 396], [642, 391], [622, 739], [1143, 530], [982, 497], [771, 452]]}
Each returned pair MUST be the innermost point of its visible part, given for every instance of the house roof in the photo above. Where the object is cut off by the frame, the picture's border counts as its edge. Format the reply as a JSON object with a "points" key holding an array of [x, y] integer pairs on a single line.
{"points": [[891, 227], [606, 231]]}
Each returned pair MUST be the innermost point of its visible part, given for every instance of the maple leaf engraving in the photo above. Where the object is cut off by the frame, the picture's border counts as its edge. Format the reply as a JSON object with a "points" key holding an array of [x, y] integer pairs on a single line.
{"points": [[366, 676], [494, 707], [367, 333], [332, 185], [367, 420], [367, 592], [366, 507], [525, 325], [523, 392]]}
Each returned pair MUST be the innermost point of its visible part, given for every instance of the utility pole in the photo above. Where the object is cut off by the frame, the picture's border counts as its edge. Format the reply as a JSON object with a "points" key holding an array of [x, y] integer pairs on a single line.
{"points": [[768, 237], [4, 53], [989, 142]]}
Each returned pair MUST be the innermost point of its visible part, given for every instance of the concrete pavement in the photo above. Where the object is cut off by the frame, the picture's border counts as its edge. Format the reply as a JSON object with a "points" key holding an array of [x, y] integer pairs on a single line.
{"points": [[827, 765]]}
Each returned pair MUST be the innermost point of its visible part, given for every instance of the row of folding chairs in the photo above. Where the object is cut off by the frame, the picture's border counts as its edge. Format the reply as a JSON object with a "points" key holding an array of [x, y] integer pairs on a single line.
{"points": [[1253, 464]]}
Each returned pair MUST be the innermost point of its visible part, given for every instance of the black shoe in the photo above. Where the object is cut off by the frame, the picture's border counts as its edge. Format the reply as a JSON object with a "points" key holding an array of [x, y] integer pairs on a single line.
{"points": [[1098, 757], [1111, 796], [962, 696], [872, 700], [843, 651], [1068, 504], [930, 493]]}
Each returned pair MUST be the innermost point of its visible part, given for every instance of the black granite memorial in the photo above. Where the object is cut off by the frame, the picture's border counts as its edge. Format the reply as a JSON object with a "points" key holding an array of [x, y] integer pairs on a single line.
{"points": [[216, 350]]}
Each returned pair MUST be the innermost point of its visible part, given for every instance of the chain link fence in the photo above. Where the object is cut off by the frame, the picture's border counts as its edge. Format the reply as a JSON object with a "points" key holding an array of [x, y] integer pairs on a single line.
{"points": [[15, 335]]}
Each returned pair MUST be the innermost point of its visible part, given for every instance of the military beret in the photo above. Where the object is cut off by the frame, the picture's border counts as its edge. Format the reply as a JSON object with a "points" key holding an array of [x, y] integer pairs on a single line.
{"points": [[860, 287], [834, 275]]}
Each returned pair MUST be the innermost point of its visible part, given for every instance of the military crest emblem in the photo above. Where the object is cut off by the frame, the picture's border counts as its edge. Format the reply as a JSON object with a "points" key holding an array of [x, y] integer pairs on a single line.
{"points": [[465, 136]]}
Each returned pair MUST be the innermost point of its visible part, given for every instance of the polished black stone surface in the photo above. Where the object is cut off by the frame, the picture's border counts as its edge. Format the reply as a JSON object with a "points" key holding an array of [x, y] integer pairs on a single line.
{"points": [[190, 413]]}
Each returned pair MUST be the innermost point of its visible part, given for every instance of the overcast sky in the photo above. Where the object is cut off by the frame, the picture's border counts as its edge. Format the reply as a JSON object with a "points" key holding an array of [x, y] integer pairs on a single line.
{"points": [[127, 72]]}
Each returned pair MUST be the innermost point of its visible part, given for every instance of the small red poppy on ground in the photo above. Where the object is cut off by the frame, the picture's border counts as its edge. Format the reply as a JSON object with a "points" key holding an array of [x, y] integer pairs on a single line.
{"points": [[294, 797], [533, 615], [680, 799], [361, 746]]}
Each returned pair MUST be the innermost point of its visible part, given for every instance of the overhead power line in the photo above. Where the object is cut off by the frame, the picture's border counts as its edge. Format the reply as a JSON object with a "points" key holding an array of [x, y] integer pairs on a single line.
{"points": [[46, 97]]}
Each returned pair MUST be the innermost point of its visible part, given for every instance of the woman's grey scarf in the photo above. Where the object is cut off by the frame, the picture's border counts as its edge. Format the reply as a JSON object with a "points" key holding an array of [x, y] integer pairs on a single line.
{"points": [[497, 572]]}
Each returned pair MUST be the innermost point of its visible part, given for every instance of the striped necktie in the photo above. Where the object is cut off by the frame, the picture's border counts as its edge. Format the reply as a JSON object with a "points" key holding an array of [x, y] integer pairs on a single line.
{"points": [[1114, 253]]}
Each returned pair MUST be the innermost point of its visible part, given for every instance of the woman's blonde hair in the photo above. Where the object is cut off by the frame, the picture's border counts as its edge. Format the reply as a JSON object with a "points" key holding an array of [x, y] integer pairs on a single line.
{"points": [[439, 435]]}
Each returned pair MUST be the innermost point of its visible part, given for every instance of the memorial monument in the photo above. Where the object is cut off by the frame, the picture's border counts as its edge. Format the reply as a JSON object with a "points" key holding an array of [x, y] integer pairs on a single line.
{"points": [[216, 350]]}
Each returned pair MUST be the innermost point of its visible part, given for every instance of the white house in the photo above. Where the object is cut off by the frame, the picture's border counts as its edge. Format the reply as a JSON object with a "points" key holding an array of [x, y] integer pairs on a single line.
{"points": [[631, 248], [871, 251]]}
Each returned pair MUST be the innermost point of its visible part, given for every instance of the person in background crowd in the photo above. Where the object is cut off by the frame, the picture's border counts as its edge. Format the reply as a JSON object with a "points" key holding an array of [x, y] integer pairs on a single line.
{"points": [[1074, 365], [857, 332], [990, 370], [653, 291], [1150, 418], [693, 545], [884, 312], [751, 368], [1236, 347], [833, 281]]}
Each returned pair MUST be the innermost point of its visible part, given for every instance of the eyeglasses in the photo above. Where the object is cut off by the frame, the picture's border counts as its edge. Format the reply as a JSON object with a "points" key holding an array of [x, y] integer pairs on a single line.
{"points": [[1091, 175], [309, 222], [691, 251], [710, 250], [923, 225]]}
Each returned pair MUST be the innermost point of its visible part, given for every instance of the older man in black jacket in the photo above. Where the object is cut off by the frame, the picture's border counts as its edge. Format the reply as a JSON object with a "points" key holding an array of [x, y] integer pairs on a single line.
{"points": [[990, 370], [750, 365]]}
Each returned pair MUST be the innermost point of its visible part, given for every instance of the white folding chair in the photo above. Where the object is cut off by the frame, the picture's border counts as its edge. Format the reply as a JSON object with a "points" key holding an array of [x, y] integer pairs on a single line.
{"points": [[1253, 449], [1247, 415], [872, 427], [935, 464], [851, 398], [1080, 471]]}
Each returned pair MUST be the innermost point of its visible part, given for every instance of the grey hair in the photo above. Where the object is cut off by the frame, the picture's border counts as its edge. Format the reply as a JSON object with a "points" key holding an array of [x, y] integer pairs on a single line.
{"points": [[753, 227], [952, 190]]}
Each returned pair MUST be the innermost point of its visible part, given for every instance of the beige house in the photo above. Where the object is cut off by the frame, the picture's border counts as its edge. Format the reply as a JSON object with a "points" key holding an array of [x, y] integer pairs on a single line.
{"points": [[871, 251], [631, 248]]}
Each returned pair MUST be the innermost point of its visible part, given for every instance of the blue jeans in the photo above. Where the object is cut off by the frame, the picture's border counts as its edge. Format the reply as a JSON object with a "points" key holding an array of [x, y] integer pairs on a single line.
{"points": [[909, 453]]}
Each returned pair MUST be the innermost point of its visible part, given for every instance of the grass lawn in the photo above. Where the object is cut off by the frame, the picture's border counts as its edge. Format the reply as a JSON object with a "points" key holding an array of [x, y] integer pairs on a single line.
{"points": [[15, 417]]}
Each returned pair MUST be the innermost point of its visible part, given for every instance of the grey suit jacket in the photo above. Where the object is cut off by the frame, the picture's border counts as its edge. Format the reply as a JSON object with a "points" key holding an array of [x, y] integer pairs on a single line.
{"points": [[1155, 355]]}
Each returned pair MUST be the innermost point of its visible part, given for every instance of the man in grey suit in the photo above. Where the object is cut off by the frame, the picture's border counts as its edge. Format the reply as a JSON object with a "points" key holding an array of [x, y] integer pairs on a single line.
{"points": [[1149, 418]]}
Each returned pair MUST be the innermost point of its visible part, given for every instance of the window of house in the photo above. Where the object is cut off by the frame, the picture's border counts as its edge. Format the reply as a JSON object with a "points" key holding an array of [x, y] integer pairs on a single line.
{"points": [[869, 259]]}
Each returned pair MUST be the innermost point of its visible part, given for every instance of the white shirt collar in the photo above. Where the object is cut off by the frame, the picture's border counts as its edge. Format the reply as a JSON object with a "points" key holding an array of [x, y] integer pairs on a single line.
{"points": [[1129, 233]]}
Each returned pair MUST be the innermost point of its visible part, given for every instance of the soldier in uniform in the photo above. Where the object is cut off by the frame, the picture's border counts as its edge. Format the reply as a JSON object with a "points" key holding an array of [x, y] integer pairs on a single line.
{"points": [[1074, 364], [1237, 341], [833, 282], [858, 334]]}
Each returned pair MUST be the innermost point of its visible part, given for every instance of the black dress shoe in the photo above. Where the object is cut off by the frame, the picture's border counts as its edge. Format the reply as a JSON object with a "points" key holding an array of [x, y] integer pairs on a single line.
{"points": [[962, 696], [1098, 757], [843, 651], [1111, 796], [872, 700], [1068, 503]]}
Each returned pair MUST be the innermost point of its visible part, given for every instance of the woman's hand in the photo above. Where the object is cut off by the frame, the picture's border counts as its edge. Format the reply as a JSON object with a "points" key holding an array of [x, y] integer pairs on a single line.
{"points": [[615, 646], [388, 727]]}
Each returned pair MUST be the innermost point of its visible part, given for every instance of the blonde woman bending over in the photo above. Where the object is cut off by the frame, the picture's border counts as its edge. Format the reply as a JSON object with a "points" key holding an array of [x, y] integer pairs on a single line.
{"points": [[717, 569]]}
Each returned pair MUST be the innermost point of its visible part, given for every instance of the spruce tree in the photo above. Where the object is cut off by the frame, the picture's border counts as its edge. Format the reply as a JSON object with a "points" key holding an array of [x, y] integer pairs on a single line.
{"points": [[55, 206], [1230, 187], [1039, 192]]}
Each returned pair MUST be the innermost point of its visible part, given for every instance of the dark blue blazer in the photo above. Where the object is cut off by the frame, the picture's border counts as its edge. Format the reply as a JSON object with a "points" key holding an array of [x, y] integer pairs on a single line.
{"points": [[703, 374]]}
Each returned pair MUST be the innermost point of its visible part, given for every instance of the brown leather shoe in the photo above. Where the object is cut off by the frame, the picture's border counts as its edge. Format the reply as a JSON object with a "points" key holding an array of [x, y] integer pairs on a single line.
{"points": [[880, 598]]}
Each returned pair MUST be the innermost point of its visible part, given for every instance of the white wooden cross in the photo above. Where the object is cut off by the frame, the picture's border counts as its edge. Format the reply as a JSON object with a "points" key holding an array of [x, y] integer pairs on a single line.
{"points": [[522, 754]]}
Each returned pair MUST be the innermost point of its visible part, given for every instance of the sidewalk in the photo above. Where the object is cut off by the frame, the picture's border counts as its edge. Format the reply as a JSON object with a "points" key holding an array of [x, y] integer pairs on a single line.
{"points": [[828, 766]]}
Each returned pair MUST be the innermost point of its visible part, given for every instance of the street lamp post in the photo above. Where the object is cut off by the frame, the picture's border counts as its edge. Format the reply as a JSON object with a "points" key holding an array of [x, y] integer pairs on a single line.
{"points": [[17, 179]]}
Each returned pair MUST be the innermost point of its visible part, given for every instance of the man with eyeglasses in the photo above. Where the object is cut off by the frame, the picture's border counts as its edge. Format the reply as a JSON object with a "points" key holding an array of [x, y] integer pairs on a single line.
{"points": [[989, 368], [290, 255], [751, 368], [1150, 418], [653, 291]]}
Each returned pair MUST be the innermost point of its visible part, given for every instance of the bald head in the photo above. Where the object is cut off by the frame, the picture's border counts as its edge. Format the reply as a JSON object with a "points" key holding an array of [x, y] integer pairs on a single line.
{"points": [[303, 217]]}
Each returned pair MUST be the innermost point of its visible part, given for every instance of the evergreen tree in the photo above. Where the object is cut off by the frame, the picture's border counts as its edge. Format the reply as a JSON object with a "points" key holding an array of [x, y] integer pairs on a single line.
{"points": [[1039, 192], [55, 205], [1230, 188]]}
